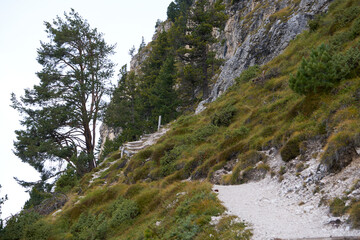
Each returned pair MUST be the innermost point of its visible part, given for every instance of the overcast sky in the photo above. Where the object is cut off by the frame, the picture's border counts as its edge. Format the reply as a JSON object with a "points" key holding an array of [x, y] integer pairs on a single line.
{"points": [[123, 22]]}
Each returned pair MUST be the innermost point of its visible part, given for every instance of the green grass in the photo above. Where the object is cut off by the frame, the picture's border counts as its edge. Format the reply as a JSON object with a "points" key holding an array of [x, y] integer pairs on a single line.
{"points": [[246, 119]]}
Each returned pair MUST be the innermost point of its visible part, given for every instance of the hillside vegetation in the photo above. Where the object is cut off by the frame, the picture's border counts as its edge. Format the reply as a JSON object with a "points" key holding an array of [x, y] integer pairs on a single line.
{"points": [[309, 92]]}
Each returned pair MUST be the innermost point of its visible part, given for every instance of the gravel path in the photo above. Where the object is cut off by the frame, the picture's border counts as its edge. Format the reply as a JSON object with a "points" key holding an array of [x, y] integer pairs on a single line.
{"points": [[275, 215]]}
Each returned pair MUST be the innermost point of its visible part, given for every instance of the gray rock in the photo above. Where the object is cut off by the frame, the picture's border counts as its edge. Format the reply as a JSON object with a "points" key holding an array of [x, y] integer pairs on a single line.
{"points": [[258, 40]]}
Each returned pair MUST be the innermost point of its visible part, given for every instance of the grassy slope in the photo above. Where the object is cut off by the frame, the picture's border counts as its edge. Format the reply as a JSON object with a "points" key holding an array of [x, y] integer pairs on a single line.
{"points": [[248, 118]]}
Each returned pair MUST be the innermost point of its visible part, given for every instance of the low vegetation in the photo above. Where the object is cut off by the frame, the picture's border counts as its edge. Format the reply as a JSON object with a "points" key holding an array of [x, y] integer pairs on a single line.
{"points": [[149, 197]]}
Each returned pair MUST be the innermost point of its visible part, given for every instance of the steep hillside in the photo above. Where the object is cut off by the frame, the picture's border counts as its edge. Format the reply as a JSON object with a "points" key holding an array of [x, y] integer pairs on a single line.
{"points": [[256, 32], [273, 126]]}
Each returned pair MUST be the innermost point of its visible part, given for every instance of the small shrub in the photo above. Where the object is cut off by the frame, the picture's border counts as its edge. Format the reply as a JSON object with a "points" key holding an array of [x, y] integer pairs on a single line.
{"points": [[133, 190], [90, 227], [124, 211], [66, 181], [203, 133], [314, 24], [282, 170], [230, 228], [340, 150], [185, 229], [355, 215], [248, 74], [147, 200], [167, 162], [145, 154], [300, 167], [247, 162], [343, 18], [40, 230], [282, 14], [263, 166], [292, 148], [224, 116], [160, 151], [337, 207], [268, 131], [16, 226], [319, 73]]}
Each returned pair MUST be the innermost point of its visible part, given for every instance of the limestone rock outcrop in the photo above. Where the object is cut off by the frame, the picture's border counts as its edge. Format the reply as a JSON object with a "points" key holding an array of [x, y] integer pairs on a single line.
{"points": [[256, 32]]}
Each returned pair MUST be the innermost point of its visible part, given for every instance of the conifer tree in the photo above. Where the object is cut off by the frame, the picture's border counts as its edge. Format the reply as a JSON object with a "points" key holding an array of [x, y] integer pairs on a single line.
{"points": [[123, 110], [178, 8], [150, 71], [319, 73], [164, 96], [203, 18], [61, 112]]}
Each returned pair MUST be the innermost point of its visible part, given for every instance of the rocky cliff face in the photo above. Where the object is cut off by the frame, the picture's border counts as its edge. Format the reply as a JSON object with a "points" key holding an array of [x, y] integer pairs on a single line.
{"points": [[256, 32], [107, 133]]}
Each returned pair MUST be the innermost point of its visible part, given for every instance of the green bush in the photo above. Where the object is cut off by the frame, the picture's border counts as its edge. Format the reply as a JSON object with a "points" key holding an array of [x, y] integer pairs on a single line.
{"points": [[248, 74], [203, 133], [239, 133], [90, 227], [224, 116], [184, 229], [145, 154], [340, 150], [292, 148], [39, 230], [66, 181], [315, 23], [17, 225], [344, 17], [355, 215], [337, 207], [320, 73], [167, 162], [124, 211]]}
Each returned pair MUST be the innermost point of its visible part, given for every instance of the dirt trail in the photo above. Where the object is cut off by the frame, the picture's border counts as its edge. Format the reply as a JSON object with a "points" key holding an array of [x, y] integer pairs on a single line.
{"points": [[293, 207], [274, 216]]}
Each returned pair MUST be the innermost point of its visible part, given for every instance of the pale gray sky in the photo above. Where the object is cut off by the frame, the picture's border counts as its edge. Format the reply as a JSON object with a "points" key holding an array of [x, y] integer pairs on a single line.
{"points": [[123, 22]]}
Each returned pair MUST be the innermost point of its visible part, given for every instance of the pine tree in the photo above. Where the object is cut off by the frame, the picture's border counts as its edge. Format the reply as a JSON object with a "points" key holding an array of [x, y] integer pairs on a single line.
{"points": [[164, 96], [122, 111], [203, 18], [178, 8], [150, 71], [60, 114], [319, 73]]}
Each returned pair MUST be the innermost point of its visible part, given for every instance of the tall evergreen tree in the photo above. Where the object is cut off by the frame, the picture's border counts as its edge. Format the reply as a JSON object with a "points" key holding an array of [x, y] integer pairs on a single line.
{"points": [[122, 111], [164, 96], [203, 18], [150, 70], [178, 8], [60, 114]]}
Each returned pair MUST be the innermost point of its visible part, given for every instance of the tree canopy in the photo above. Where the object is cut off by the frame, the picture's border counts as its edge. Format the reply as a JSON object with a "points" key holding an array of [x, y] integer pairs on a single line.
{"points": [[203, 18], [61, 112], [2, 200]]}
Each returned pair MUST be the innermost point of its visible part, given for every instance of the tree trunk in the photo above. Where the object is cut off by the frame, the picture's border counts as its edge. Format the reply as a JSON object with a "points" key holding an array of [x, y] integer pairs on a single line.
{"points": [[89, 145]]}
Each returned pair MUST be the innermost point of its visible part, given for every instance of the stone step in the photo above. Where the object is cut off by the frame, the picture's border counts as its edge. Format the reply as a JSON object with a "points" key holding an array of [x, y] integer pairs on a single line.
{"points": [[134, 142], [135, 148]]}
